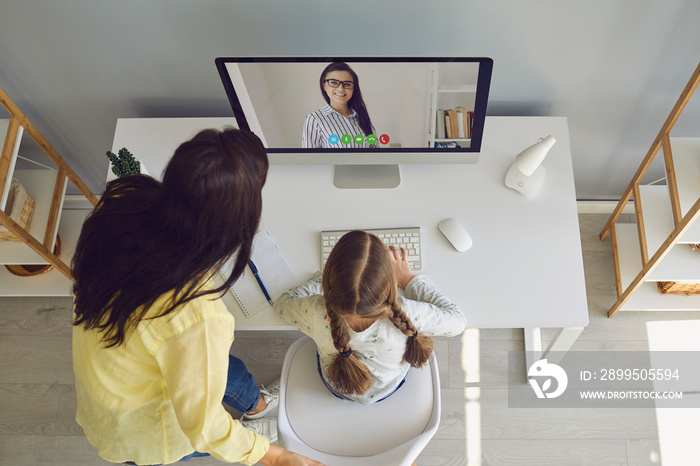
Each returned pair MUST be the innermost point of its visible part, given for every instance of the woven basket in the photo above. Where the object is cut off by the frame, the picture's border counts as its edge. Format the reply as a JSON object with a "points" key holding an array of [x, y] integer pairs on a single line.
{"points": [[687, 289], [20, 208]]}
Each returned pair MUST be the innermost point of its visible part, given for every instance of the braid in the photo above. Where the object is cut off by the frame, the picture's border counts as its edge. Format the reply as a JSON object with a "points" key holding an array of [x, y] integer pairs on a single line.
{"points": [[338, 333], [418, 347], [347, 374], [401, 320]]}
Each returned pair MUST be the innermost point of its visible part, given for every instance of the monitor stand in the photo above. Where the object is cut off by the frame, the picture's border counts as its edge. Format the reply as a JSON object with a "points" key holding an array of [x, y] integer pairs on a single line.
{"points": [[367, 176]]}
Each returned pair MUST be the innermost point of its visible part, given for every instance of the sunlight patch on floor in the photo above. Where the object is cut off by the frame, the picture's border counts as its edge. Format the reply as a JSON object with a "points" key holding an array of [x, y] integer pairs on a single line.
{"points": [[471, 365], [677, 427], [471, 356]]}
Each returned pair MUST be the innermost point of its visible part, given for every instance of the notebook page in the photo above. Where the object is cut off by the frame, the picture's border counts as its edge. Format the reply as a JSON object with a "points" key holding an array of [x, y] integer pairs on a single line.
{"points": [[273, 269]]}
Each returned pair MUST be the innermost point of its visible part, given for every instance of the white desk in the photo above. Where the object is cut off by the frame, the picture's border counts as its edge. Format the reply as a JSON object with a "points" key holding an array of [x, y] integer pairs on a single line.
{"points": [[525, 269]]}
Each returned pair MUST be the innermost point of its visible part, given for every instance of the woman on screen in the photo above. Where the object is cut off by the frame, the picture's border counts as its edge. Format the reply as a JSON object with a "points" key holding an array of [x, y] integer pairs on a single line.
{"points": [[345, 113]]}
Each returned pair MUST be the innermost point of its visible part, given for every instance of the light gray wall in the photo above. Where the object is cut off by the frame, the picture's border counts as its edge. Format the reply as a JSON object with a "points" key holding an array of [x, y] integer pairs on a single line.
{"points": [[613, 67]]}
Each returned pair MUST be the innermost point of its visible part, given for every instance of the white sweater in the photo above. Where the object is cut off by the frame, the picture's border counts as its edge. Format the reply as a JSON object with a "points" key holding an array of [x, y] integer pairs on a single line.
{"points": [[381, 346]]}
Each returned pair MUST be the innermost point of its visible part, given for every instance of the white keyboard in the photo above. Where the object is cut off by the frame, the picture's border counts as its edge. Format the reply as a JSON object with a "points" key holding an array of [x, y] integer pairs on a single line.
{"points": [[407, 238]]}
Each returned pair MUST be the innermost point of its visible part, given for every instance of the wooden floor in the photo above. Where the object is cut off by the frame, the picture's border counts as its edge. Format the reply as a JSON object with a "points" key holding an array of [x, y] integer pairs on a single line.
{"points": [[37, 394]]}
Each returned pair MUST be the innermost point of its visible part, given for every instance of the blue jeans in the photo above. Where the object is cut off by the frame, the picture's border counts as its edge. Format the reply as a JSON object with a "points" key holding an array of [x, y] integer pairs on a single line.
{"points": [[242, 393]]}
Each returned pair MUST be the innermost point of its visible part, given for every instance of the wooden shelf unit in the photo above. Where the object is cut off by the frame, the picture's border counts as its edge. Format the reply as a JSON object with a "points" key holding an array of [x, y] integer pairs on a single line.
{"points": [[47, 188], [658, 249]]}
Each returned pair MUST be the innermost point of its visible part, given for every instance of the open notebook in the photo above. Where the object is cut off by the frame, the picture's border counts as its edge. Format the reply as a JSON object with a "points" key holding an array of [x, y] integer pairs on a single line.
{"points": [[273, 269]]}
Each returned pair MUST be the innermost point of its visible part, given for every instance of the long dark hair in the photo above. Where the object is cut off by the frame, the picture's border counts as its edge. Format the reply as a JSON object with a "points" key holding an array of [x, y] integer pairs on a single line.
{"points": [[145, 238], [359, 279], [356, 102]]}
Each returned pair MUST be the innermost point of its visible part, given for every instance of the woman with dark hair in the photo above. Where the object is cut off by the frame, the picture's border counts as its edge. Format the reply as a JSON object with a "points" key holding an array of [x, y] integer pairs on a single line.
{"points": [[345, 112], [366, 335], [151, 338]]}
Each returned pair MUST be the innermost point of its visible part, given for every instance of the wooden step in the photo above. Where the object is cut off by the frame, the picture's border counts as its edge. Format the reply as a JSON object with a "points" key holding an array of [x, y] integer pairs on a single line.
{"points": [[682, 263], [647, 297], [658, 218], [686, 160], [52, 283]]}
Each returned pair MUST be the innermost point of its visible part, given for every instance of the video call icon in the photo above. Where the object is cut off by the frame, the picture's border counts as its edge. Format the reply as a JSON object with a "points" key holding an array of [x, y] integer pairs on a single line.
{"points": [[346, 139]]}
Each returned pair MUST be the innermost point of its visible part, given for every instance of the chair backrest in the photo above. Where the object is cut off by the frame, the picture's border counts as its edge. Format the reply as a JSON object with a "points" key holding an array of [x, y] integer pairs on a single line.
{"points": [[315, 423]]}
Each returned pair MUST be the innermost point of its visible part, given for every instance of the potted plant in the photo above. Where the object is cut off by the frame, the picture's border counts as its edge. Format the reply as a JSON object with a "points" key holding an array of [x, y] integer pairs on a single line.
{"points": [[125, 163]]}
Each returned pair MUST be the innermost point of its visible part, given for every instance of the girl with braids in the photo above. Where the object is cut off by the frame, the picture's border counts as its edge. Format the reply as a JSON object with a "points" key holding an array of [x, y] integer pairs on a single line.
{"points": [[344, 113], [366, 335], [151, 338]]}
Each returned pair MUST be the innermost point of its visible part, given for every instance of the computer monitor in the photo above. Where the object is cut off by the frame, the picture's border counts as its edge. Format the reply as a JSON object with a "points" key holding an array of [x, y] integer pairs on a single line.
{"points": [[419, 110]]}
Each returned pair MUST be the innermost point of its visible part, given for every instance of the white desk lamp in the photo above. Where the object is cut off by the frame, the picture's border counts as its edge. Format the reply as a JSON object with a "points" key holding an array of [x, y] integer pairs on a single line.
{"points": [[526, 175]]}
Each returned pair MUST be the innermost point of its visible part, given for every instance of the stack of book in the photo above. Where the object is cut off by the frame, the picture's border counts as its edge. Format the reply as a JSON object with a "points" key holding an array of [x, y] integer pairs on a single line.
{"points": [[454, 123]]}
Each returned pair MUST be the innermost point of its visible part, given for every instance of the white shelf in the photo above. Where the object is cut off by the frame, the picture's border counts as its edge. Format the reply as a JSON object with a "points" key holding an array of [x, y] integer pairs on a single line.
{"points": [[686, 160], [52, 283], [648, 297], [658, 219], [681, 264], [39, 185], [452, 140], [457, 89]]}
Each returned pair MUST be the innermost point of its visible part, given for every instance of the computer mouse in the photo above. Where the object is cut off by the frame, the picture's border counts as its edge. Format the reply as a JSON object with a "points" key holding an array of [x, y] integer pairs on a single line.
{"points": [[455, 234]]}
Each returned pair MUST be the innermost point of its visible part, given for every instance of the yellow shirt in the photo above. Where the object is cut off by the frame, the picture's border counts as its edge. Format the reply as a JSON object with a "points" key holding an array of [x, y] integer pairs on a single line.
{"points": [[158, 397]]}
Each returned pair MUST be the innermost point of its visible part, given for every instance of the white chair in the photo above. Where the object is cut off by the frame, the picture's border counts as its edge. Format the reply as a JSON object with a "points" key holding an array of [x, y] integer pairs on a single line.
{"points": [[315, 423]]}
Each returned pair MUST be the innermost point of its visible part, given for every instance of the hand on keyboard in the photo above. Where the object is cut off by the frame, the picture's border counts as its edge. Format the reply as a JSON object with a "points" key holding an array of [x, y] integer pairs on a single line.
{"points": [[399, 258], [408, 238]]}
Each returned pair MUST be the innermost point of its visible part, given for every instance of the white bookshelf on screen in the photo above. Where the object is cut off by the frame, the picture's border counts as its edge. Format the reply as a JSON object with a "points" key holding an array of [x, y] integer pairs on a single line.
{"points": [[448, 92]]}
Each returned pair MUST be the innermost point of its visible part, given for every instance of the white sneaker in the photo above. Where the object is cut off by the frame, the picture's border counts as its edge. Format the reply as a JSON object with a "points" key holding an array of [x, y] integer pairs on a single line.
{"points": [[271, 395], [266, 427]]}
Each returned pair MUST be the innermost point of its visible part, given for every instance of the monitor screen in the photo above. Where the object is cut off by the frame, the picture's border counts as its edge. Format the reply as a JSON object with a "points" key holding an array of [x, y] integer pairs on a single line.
{"points": [[379, 105]]}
